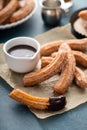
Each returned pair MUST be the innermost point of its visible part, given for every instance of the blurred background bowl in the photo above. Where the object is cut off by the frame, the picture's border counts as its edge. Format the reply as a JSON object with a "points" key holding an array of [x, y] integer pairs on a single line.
{"points": [[73, 19]]}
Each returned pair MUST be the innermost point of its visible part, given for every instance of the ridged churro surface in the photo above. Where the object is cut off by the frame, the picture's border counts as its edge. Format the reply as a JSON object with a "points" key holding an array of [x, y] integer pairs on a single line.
{"points": [[47, 72]]}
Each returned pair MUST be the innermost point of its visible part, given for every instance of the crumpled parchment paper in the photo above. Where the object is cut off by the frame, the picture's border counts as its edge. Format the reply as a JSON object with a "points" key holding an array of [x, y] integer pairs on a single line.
{"points": [[75, 95]]}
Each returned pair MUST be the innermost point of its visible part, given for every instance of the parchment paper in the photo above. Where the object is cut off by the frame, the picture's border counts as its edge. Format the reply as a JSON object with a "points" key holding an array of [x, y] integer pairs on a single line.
{"points": [[75, 95]]}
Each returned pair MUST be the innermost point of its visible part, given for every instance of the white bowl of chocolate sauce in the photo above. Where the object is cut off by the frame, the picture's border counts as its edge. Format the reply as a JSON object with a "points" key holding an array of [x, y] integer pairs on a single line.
{"points": [[22, 54]]}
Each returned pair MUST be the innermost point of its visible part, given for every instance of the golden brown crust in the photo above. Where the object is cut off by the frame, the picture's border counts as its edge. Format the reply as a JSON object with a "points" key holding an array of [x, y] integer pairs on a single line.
{"points": [[83, 14], [75, 44], [45, 60], [29, 100], [7, 11], [53, 54], [81, 58], [23, 11], [1, 4], [47, 72], [67, 74], [80, 78], [50, 47], [51, 103]]}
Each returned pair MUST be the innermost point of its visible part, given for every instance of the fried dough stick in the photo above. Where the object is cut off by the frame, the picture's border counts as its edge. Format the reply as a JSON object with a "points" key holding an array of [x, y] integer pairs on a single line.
{"points": [[83, 14], [67, 73], [80, 57], [75, 44], [23, 12], [80, 78], [1, 4], [52, 103], [47, 72], [7, 11], [45, 60]]}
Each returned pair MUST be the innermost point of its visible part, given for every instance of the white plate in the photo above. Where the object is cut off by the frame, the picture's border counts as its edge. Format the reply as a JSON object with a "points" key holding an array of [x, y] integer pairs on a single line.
{"points": [[20, 21]]}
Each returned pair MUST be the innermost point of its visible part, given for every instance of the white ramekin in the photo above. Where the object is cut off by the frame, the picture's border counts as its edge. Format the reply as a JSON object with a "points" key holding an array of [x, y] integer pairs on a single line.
{"points": [[22, 64]]}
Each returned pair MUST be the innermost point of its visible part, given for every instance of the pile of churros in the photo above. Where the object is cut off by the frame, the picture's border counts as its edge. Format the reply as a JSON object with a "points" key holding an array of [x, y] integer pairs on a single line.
{"points": [[14, 10], [61, 57]]}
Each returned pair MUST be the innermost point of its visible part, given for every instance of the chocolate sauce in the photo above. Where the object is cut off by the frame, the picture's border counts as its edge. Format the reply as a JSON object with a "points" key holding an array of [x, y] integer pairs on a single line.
{"points": [[22, 51], [57, 103]]}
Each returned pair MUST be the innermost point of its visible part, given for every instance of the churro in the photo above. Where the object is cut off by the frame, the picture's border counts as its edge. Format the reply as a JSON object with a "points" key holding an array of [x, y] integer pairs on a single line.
{"points": [[23, 11], [1, 4], [7, 11], [80, 78], [75, 44], [67, 73], [51, 103], [83, 14], [81, 58], [45, 60], [48, 71]]}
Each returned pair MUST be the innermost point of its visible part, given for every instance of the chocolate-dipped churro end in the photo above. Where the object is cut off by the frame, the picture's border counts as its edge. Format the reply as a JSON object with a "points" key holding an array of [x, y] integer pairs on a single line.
{"points": [[57, 103]]}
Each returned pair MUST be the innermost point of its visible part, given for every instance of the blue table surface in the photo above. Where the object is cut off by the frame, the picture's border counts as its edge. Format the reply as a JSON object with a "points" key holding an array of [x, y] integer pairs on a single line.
{"points": [[15, 116]]}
